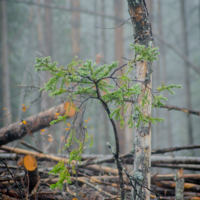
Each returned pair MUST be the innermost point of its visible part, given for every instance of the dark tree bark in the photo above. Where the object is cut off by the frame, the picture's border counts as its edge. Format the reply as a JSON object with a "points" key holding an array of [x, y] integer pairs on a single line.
{"points": [[142, 144]]}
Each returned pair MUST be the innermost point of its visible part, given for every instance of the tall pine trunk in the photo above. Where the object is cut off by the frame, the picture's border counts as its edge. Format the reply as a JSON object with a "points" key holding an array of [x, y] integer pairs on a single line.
{"points": [[75, 20], [163, 64], [119, 52], [6, 78], [187, 73], [142, 143]]}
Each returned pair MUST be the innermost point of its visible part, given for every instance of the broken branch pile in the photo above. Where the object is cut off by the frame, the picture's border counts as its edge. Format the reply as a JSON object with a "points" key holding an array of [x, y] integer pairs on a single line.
{"points": [[94, 179]]}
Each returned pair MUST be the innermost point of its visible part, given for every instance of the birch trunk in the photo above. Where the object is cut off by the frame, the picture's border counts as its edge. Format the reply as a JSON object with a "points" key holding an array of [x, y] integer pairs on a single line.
{"points": [[142, 143]]}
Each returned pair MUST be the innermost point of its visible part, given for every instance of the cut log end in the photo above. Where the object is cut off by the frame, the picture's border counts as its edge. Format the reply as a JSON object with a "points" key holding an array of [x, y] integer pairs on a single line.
{"points": [[30, 163]]}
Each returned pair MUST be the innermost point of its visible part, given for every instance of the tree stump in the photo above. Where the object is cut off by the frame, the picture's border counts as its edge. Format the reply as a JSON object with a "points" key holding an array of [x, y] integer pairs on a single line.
{"points": [[30, 164]]}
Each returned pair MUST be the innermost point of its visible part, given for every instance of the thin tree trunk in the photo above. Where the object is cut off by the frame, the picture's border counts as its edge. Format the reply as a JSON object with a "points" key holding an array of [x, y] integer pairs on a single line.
{"points": [[5, 59], [158, 82], [46, 100], [187, 73], [142, 144], [157, 125], [163, 60], [119, 52], [75, 19], [103, 34], [104, 54], [97, 136], [22, 95], [150, 9], [41, 50], [95, 30]]}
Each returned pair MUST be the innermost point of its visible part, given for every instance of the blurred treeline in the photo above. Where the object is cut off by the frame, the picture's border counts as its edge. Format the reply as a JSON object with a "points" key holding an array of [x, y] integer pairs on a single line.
{"points": [[62, 29]]}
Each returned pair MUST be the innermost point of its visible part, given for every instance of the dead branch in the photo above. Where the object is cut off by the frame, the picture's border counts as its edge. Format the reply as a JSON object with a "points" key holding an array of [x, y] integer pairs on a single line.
{"points": [[178, 166], [169, 107], [166, 150], [174, 160], [30, 146], [181, 109], [171, 176]]}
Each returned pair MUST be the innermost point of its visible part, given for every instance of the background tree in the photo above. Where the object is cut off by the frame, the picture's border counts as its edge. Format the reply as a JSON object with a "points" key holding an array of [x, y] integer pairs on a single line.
{"points": [[22, 42]]}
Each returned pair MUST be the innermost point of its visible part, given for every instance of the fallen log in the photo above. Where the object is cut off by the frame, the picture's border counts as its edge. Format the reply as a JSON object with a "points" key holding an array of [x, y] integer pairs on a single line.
{"points": [[171, 176], [172, 184], [174, 160], [57, 159], [178, 166], [157, 161], [34, 123], [166, 150]]}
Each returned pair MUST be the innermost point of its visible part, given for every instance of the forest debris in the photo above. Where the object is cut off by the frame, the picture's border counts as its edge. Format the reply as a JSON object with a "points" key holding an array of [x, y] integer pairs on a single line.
{"points": [[40, 155], [96, 188], [166, 150], [178, 166], [171, 176], [174, 160], [56, 158]]}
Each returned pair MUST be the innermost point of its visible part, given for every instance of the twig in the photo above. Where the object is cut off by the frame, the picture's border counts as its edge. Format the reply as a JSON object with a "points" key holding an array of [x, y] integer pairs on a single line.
{"points": [[30, 146], [169, 107], [12, 177], [98, 189], [181, 109], [166, 150]]}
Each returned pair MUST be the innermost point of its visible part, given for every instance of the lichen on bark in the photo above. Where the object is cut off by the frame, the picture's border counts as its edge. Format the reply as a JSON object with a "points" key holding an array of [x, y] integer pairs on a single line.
{"points": [[142, 144]]}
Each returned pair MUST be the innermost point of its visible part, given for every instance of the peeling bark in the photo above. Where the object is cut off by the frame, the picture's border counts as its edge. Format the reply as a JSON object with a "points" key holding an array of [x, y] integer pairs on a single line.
{"points": [[142, 143]]}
